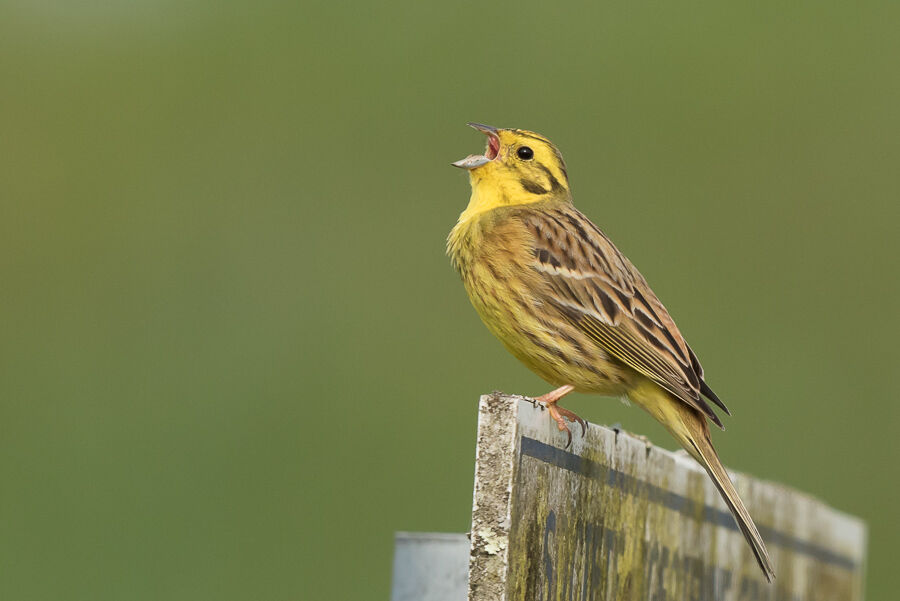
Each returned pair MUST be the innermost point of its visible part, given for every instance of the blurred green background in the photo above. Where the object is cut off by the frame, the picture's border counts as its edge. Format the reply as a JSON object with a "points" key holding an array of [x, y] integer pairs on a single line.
{"points": [[233, 356]]}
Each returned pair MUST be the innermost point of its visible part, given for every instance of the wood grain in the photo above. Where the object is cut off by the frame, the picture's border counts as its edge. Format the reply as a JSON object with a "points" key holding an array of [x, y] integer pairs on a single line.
{"points": [[615, 518]]}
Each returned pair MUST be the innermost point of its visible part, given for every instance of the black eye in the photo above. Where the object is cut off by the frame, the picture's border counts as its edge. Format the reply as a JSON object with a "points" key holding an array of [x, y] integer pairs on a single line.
{"points": [[525, 153]]}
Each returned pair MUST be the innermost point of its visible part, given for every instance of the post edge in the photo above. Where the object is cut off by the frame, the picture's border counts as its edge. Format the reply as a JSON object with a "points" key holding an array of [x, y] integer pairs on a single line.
{"points": [[495, 454]]}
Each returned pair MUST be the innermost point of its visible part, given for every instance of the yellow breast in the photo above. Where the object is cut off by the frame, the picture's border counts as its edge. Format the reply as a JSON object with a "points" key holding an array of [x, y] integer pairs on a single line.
{"points": [[492, 251]]}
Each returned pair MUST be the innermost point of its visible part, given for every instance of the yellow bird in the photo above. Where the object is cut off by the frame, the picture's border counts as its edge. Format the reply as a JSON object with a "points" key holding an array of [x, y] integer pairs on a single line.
{"points": [[563, 299]]}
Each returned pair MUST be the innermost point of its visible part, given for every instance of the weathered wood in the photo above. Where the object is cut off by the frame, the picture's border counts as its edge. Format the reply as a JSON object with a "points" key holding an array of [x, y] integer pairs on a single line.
{"points": [[615, 518]]}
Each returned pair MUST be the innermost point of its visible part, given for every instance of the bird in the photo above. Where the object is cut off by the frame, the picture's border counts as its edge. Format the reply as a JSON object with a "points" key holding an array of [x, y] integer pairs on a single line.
{"points": [[569, 305]]}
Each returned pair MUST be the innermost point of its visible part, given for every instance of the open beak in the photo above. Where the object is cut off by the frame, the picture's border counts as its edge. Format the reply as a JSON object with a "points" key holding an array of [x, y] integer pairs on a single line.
{"points": [[490, 153]]}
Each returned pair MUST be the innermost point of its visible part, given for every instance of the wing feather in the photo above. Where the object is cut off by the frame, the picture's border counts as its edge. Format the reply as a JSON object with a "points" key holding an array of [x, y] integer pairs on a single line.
{"points": [[600, 292]]}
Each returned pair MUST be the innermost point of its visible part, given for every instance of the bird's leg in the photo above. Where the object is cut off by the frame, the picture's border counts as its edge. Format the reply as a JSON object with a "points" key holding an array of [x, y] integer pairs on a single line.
{"points": [[559, 414]]}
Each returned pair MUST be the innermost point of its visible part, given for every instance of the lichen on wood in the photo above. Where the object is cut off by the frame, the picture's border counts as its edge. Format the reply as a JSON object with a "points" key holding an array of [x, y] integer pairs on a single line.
{"points": [[615, 518]]}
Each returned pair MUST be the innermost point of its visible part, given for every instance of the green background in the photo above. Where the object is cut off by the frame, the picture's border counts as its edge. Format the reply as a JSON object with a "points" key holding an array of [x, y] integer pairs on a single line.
{"points": [[233, 356]]}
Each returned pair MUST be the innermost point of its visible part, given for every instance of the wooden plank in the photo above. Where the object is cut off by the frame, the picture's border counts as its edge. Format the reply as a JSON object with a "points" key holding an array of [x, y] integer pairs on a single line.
{"points": [[615, 518]]}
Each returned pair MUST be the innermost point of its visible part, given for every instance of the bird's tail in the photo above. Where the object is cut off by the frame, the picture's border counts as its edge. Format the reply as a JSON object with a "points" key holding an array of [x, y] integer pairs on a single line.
{"points": [[693, 434], [689, 427]]}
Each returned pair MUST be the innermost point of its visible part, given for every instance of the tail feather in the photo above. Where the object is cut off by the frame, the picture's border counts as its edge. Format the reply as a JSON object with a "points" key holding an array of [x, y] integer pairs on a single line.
{"points": [[702, 450], [690, 429]]}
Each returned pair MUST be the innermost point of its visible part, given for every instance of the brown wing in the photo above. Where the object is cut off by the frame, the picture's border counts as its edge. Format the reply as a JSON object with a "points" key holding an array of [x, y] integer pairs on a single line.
{"points": [[602, 293]]}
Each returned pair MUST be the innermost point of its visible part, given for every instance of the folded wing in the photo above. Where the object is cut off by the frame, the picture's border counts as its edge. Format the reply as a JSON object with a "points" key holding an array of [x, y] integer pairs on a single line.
{"points": [[599, 291]]}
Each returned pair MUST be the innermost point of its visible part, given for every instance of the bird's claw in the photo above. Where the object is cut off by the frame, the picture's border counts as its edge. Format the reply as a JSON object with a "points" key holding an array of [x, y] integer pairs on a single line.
{"points": [[560, 415]]}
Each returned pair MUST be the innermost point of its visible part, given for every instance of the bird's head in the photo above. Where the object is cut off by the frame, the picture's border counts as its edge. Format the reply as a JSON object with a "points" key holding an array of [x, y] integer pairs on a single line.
{"points": [[517, 167]]}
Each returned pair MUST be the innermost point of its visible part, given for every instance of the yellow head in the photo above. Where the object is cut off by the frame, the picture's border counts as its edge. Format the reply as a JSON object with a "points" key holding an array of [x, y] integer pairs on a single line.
{"points": [[517, 167]]}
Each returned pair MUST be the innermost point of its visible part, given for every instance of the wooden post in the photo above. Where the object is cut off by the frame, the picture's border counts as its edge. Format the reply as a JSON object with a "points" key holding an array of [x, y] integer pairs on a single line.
{"points": [[615, 518]]}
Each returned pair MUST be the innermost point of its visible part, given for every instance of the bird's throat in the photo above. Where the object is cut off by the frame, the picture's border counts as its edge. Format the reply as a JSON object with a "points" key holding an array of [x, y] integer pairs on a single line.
{"points": [[487, 195]]}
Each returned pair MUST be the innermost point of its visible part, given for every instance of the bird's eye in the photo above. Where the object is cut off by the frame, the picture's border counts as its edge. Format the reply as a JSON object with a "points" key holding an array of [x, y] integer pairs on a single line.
{"points": [[525, 153]]}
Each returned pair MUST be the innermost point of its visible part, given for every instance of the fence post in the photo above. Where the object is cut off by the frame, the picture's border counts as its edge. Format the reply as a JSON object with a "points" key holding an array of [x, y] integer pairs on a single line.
{"points": [[614, 518]]}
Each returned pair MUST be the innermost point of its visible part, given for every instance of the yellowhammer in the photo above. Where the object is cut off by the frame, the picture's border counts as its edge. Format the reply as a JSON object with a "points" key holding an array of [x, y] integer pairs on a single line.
{"points": [[563, 299]]}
